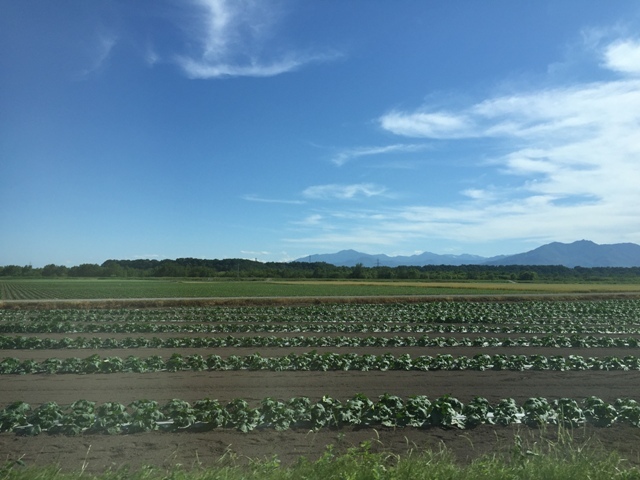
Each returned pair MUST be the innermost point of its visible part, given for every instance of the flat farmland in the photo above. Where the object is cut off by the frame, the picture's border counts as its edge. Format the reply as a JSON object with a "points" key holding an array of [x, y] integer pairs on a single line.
{"points": [[350, 361], [179, 289]]}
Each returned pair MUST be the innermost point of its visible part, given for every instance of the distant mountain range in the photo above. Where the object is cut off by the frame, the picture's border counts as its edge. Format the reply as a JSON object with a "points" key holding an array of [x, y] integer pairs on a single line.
{"points": [[583, 253]]}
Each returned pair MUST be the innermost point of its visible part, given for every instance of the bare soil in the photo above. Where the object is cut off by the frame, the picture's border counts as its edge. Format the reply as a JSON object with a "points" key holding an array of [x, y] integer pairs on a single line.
{"points": [[96, 453]]}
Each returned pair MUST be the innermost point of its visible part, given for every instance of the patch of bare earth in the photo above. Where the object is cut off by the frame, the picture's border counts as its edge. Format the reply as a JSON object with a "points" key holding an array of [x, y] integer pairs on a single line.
{"points": [[98, 452], [95, 453]]}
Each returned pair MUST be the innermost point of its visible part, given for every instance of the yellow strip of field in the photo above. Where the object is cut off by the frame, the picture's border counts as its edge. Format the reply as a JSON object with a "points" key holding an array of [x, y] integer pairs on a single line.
{"points": [[510, 286]]}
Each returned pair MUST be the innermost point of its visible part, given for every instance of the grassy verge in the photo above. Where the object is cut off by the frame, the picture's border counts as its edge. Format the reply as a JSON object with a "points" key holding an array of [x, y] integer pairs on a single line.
{"points": [[558, 460]]}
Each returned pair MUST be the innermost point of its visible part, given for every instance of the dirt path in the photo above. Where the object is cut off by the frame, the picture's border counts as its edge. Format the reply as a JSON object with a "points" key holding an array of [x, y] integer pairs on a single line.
{"points": [[256, 385]]}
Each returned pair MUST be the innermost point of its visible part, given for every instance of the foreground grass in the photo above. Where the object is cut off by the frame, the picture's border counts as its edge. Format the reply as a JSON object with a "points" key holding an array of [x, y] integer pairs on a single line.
{"points": [[557, 461]]}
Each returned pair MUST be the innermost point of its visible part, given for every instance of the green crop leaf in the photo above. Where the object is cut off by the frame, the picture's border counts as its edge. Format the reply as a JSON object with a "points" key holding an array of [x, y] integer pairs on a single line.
{"points": [[538, 411], [446, 412], [506, 412], [15, 415], [569, 412]]}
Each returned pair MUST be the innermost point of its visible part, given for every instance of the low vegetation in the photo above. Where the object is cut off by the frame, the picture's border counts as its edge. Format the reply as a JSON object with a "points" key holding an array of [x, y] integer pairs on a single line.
{"points": [[318, 362], [530, 324], [561, 459], [417, 411]]}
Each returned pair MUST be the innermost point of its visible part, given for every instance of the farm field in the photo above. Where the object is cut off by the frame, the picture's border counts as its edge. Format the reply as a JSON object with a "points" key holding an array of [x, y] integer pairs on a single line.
{"points": [[400, 375], [77, 289]]}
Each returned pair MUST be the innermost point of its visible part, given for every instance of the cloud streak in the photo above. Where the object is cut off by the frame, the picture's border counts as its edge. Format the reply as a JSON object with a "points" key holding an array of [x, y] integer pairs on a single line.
{"points": [[343, 192], [255, 198], [354, 153], [101, 53], [233, 37]]}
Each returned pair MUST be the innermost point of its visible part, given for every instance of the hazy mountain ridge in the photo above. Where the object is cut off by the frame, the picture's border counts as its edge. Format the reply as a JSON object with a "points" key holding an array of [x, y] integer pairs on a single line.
{"points": [[583, 253]]}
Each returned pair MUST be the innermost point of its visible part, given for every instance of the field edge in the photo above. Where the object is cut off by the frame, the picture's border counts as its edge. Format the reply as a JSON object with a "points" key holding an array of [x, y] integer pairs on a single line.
{"points": [[103, 303]]}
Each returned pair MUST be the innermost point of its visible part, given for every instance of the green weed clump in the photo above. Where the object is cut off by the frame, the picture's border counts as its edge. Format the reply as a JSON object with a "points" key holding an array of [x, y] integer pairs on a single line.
{"points": [[548, 460]]}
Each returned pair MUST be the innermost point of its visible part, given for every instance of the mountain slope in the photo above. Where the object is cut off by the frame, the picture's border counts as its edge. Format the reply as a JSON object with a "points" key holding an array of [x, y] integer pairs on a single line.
{"points": [[583, 253], [349, 258]]}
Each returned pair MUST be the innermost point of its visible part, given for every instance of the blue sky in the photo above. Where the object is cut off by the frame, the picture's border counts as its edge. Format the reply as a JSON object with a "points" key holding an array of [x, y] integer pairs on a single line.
{"points": [[278, 129]]}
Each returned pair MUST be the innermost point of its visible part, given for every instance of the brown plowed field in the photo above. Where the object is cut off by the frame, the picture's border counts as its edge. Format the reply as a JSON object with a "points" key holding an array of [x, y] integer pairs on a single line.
{"points": [[101, 451], [97, 452]]}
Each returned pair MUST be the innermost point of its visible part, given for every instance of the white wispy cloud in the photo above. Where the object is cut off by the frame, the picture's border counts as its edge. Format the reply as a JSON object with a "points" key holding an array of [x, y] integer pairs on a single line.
{"points": [[312, 220], [428, 124], [623, 56], [353, 153], [255, 253], [571, 154], [343, 192], [100, 52], [233, 37], [256, 198]]}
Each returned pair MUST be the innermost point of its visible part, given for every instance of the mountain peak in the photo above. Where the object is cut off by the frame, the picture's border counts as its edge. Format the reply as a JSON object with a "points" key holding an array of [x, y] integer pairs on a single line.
{"points": [[583, 253]]}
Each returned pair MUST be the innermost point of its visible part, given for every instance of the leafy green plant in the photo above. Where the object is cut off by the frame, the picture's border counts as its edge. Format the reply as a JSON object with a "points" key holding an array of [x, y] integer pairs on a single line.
{"points": [[276, 414], [14, 415], [569, 412], [477, 411], [390, 411], [145, 416], [210, 413], [241, 416], [446, 412], [45, 417], [417, 408], [180, 412], [326, 413], [80, 416], [506, 412], [628, 411], [538, 411], [358, 410], [110, 418], [599, 412]]}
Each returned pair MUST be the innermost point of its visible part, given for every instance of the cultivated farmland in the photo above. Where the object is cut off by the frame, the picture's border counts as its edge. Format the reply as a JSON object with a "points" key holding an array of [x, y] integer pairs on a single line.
{"points": [[41, 290], [112, 386]]}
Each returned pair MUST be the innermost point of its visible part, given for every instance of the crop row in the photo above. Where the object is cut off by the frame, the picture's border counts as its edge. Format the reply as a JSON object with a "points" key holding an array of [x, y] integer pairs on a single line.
{"points": [[338, 327], [300, 412], [558, 341], [530, 312], [314, 361]]}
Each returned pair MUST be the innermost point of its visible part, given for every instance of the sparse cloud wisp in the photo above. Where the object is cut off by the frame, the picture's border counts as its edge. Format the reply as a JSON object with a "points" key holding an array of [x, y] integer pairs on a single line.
{"points": [[343, 192], [232, 38], [349, 154]]}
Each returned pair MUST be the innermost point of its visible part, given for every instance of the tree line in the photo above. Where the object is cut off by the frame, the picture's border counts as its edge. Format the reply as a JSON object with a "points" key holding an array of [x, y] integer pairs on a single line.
{"points": [[243, 268]]}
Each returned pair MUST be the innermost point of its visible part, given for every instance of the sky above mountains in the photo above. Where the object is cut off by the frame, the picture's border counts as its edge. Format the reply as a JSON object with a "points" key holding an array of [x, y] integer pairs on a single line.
{"points": [[276, 129]]}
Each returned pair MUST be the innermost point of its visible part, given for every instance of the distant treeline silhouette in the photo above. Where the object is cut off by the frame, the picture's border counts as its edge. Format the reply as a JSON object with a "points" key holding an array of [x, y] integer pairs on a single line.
{"points": [[243, 268]]}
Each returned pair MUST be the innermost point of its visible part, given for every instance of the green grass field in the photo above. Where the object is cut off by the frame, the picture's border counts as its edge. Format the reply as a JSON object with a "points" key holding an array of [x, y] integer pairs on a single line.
{"points": [[70, 289]]}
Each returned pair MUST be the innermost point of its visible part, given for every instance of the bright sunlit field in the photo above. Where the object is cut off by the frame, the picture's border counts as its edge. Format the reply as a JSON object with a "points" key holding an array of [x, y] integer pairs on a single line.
{"points": [[37, 289]]}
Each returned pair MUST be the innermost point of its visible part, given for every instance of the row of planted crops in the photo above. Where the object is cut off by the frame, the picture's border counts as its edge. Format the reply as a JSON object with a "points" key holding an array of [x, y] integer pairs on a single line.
{"points": [[343, 331], [416, 411], [314, 361]]}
